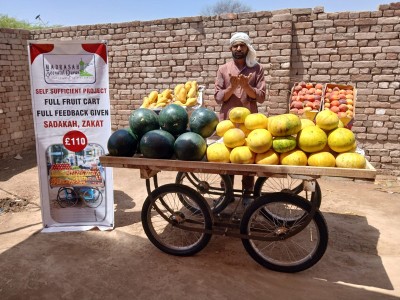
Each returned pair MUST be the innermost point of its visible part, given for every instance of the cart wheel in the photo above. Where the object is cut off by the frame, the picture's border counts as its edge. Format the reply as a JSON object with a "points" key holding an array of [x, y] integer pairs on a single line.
{"points": [[285, 254], [171, 226], [67, 197], [290, 185], [216, 189], [91, 196]]}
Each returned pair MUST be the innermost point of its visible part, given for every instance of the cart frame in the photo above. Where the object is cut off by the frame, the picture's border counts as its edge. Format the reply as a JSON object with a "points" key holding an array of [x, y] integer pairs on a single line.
{"points": [[286, 228]]}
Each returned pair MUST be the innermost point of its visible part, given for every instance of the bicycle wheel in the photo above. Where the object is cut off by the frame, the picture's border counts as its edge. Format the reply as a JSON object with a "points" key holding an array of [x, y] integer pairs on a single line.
{"points": [[171, 226], [67, 197], [289, 185], [91, 196], [279, 251], [216, 189]]}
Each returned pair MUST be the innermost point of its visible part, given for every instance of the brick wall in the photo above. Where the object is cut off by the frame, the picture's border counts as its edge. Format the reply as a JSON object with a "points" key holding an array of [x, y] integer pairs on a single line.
{"points": [[353, 48], [16, 125]]}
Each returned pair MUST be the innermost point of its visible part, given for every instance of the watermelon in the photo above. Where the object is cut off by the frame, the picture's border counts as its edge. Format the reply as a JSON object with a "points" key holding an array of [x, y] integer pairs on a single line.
{"points": [[174, 119], [122, 143], [157, 143], [203, 121], [190, 146], [143, 120]]}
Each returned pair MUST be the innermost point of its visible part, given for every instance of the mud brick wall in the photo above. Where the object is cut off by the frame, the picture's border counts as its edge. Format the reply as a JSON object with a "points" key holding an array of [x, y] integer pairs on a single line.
{"points": [[361, 49], [16, 124]]}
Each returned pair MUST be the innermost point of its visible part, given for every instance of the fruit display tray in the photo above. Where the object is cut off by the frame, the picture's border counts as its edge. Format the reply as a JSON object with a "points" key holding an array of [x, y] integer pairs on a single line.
{"points": [[150, 167], [341, 97]]}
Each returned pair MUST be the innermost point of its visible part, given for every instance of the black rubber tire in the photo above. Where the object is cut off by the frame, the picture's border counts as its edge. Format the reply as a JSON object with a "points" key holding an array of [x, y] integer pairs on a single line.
{"points": [[308, 245], [93, 203], [167, 236], [265, 185], [67, 197], [209, 186]]}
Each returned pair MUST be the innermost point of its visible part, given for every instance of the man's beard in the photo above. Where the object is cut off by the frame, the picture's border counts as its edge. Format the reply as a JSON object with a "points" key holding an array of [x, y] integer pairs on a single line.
{"points": [[239, 55]]}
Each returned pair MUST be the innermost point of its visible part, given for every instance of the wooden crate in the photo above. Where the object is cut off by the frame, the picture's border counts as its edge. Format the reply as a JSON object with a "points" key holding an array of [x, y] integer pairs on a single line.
{"points": [[296, 99], [343, 115]]}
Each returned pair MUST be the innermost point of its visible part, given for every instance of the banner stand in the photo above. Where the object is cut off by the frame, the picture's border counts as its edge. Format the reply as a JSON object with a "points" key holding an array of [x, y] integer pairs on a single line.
{"points": [[71, 112]]}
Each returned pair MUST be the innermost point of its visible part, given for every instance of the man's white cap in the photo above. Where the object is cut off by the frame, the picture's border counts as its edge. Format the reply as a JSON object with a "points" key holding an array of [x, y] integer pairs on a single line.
{"points": [[241, 37]]}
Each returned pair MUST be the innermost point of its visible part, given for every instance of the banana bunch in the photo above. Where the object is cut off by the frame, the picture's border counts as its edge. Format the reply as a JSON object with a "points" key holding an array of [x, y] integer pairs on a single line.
{"points": [[186, 93], [157, 100]]}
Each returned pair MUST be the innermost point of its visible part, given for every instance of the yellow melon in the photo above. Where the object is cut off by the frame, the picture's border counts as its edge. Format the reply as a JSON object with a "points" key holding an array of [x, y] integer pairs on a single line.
{"points": [[238, 114], [256, 121], [351, 160], [242, 155], [243, 128], [294, 157], [218, 152], [267, 158], [327, 120], [306, 123], [311, 139], [321, 159], [341, 140], [259, 140], [234, 138], [223, 126]]}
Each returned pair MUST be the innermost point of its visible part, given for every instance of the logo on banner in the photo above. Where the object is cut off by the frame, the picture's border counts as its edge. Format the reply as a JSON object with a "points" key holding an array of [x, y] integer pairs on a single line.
{"points": [[69, 69]]}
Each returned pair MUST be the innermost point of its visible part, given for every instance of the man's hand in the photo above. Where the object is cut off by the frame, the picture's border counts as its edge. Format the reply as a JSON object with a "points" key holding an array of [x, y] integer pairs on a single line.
{"points": [[234, 81], [244, 80]]}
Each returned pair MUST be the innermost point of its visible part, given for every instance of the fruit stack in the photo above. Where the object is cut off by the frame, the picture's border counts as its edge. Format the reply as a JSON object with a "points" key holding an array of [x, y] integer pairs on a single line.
{"points": [[187, 94], [305, 99], [341, 100]]}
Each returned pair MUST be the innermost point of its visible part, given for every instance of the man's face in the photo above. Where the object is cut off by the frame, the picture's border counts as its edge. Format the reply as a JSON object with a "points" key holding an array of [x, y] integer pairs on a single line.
{"points": [[239, 50]]}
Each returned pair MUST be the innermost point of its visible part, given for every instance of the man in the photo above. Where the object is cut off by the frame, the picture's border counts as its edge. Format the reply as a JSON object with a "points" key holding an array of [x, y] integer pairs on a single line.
{"points": [[240, 82]]}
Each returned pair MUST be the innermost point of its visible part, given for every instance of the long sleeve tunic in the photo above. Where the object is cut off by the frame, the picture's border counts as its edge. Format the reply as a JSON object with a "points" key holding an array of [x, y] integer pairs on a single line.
{"points": [[239, 98]]}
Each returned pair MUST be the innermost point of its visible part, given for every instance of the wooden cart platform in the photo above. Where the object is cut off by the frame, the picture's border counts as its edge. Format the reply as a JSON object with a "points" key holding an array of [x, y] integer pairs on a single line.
{"points": [[150, 167]]}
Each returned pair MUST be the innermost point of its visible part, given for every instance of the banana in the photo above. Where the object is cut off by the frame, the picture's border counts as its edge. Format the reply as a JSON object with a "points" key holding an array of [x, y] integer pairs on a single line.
{"points": [[191, 101], [195, 85], [181, 96], [145, 103], [188, 85], [167, 93], [153, 96], [192, 92], [177, 88]]}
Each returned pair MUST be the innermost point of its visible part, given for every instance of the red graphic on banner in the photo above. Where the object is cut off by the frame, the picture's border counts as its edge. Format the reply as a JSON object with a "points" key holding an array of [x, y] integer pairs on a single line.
{"points": [[37, 49], [75, 141], [99, 49]]}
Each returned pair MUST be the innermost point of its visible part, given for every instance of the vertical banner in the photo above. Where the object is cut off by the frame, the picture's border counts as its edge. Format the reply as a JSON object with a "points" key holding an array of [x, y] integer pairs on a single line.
{"points": [[71, 110]]}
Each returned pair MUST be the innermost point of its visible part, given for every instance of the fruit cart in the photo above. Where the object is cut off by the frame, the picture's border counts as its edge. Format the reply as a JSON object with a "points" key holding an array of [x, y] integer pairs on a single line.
{"points": [[281, 228], [76, 184]]}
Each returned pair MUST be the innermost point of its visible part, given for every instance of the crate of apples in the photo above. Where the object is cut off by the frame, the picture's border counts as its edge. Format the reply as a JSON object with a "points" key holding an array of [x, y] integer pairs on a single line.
{"points": [[341, 99], [306, 98]]}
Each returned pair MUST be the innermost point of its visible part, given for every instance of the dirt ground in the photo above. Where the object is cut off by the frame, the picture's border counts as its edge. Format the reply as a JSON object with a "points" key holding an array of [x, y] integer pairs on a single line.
{"points": [[362, 260]]}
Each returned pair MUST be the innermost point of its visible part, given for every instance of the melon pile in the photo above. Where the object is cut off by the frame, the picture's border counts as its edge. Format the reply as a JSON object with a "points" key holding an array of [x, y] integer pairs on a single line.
{"points": [[172, 134], [285, 139]]}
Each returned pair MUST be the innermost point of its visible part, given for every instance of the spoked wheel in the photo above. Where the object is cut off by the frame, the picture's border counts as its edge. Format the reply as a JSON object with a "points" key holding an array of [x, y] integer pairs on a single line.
{"points": [[216, 189], [91, 196], [171, 226], [67, 197], [289, 185], [272, 241]]}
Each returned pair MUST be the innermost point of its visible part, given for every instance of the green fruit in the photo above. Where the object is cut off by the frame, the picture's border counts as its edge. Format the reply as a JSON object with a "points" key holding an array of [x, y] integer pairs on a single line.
{"points": [[122, 143], [157, 144], [174, 119], [190, 146], [284, 144], [143, 120], [203, 121]]}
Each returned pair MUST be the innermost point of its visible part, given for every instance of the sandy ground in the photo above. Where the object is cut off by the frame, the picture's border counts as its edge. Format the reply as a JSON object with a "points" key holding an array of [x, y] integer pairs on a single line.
{"points": [[362, 260]]}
